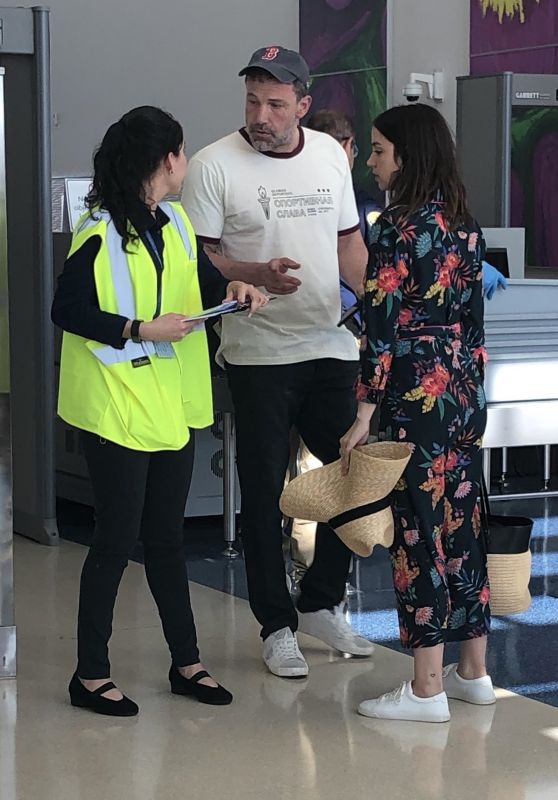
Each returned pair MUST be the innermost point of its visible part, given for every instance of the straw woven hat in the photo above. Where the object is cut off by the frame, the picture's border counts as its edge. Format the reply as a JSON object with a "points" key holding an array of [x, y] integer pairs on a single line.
{"points": [[509, 576], [356, 505]]}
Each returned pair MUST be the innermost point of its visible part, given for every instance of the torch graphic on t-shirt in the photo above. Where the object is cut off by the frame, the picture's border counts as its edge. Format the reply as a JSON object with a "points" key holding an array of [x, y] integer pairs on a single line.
{"points": [[264, 200]]}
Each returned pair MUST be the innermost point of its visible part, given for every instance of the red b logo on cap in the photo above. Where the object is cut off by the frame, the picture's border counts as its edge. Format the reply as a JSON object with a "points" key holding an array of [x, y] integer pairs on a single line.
{"points": [[270, 54]]}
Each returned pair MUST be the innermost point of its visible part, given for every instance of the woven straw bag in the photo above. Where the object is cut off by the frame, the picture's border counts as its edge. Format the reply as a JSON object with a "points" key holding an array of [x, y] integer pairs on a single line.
{"points": [[506, 539], [356, 505]]}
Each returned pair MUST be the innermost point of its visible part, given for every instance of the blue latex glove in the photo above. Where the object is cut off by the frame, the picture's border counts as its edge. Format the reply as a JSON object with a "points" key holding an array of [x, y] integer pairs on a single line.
{"points": [[492, 279]]}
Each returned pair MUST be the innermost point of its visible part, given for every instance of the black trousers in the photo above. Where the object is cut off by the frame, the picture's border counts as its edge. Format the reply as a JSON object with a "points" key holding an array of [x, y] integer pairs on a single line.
{"points": [[318, 398], [137, 495]]}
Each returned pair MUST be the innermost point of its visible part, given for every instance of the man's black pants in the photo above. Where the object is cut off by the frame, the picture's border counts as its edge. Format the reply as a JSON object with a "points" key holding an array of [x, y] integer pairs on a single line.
{"points": [[318, 398]]}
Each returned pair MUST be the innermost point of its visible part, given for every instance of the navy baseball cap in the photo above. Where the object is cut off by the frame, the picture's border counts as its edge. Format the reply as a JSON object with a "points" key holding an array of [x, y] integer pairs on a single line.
{"points": [[286, 66]]}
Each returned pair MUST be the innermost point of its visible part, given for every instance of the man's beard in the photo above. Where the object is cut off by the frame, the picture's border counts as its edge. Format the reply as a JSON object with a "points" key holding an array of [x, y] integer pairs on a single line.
{"points": [[271, 142]]}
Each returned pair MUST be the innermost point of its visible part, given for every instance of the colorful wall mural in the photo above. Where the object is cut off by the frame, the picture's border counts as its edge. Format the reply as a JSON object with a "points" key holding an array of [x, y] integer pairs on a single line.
{"points": [[344, 43], [522, 36], [515, 35], [534, 180]]}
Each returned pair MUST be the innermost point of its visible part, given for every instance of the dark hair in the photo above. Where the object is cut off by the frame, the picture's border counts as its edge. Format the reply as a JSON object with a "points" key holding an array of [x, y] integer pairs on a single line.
{"points": [[131, 151], [429, 169], [261, 75], [335, 123]]}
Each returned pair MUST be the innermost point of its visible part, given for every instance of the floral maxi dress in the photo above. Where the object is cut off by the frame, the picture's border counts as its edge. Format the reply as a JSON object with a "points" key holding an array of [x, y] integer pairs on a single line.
{"points": [[423, 359]]}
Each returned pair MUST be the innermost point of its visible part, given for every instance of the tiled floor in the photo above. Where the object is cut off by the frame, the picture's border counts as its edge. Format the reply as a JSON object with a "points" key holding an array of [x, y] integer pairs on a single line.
{"points": [[300, 740], [523, 647], [522, 655]]}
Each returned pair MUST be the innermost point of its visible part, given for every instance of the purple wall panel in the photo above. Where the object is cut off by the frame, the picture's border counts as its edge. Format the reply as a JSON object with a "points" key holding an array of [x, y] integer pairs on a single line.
{"points": [[545, 170], [537, 62], [344, 41], [330, 29], [520, 43], [488, 33]]}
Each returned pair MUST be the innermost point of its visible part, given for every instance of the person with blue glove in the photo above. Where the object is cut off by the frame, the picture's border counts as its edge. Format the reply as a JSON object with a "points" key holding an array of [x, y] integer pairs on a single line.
{"points": [[303, 532], [492, 279]]}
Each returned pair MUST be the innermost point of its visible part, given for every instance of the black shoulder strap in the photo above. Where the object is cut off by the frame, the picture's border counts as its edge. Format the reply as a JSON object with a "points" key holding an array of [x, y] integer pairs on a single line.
{"points": [[484, 514]]}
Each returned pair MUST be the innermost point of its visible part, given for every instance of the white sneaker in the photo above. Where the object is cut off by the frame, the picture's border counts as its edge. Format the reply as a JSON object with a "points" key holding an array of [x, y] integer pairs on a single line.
{"points": [[333, 629], [402, 703], [478, 691], [282, 656]]}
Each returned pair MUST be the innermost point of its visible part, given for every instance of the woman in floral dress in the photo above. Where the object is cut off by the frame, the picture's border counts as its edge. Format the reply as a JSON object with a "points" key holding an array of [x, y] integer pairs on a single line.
{"points": [[423, 362]]}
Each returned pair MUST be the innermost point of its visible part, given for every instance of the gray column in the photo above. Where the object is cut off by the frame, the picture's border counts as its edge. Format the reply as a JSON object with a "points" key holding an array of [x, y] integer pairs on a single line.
{"points": [[7, 620]]}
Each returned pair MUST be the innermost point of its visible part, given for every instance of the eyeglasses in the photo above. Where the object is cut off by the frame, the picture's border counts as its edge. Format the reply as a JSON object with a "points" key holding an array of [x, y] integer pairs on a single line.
{"points": [[354, 147]]}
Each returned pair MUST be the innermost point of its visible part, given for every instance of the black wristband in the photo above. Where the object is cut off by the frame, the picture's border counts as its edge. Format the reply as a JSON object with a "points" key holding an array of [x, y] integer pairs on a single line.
{"points": [[134, 331]]}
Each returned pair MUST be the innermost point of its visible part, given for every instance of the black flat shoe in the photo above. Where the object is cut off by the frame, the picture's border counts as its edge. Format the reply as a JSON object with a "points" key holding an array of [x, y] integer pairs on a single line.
{"points": [[191, 686], [94, 701]]}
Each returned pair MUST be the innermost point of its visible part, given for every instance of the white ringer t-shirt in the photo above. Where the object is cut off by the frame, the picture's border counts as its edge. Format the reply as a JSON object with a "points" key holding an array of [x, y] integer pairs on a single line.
{"points": [[262, 206]]}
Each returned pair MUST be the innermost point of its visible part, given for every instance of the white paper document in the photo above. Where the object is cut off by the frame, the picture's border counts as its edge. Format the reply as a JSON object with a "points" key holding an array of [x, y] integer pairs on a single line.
{"points": [[216, 311]]}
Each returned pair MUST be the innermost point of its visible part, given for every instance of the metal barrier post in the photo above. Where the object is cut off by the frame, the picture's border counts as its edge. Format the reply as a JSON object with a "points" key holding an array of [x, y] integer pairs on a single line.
{"points": [[486, 466], [504, 475], [547, 453], [229, 487]]}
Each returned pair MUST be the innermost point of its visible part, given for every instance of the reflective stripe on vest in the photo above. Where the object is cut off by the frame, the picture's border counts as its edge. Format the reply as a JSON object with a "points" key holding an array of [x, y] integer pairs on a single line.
{"points": [[122, 282], [175, 218]]}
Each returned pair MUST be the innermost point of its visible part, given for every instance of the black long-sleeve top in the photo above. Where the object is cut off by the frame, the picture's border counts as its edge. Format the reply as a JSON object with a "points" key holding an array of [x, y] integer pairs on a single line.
{"points": [[76, 306]]}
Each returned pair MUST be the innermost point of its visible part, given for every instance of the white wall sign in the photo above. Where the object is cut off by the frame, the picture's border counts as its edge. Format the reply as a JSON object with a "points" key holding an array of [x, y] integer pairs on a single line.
{"points": [[76, 192]]}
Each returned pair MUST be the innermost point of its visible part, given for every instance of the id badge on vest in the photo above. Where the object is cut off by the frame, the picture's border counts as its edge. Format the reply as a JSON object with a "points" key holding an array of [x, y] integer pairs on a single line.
{"points": [[164, 349]]}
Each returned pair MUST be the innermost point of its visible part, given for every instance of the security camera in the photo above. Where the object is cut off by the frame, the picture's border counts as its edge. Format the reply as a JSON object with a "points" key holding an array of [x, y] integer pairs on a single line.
{"points": [[433, 81], [412, 92]]}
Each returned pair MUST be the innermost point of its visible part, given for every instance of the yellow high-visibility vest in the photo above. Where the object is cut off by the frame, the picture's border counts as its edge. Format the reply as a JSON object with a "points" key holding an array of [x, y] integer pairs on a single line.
{"points": [[133, 396]]}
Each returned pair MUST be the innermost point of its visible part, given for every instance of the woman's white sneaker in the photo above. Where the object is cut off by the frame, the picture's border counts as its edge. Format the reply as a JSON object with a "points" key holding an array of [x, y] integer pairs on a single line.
{"points": [[478, 691], [282, 656], [402, 703]]}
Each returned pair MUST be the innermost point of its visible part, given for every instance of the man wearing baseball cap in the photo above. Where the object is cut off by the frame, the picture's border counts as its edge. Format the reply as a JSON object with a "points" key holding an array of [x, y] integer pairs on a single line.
{"points": [[274, 205], [284, 65]]}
